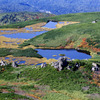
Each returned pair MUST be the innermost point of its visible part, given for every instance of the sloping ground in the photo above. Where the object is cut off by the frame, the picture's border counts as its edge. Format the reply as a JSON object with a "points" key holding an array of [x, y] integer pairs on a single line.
{"points": [[77, 17], [85, 35], [47, 83], [11, 18], [71, 33]]}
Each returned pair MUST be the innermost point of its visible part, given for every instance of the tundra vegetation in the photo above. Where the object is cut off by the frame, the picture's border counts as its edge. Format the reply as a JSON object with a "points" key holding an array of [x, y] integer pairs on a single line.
{"points": [[48, 83], [19, 53], [84, 35], [11, 18]]}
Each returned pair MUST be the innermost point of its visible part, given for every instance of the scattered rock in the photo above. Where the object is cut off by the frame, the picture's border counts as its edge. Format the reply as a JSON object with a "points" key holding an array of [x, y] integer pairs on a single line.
{"points": [[60, 64], [43, 65], [94, 64], [95, 67], [94, 96], [18, 75], [69, 67], [14, 64], [3, 63], [56, 65], [93, 21], [85, 88], [76, 67]]}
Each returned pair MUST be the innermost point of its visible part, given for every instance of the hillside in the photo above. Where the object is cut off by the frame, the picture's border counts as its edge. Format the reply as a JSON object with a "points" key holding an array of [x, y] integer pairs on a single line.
{"points": [[50, 6], [36, 83], [74, 36], [11, 18], [76, 80]]}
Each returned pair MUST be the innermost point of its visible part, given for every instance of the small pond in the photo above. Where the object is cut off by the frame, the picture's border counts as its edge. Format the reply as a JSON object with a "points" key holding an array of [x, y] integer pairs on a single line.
{"points": [[20, 62], [72, 54], [6, 57], [61, 22], [8, 31], [23, 35], [51, 24]]}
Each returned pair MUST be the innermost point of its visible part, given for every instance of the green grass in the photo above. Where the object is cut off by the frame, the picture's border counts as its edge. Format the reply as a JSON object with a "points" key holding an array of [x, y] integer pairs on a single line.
{"points": [[11, 96], [65, 95], [19, 53], [65, 35], [71, 33], [68, 83], [81, 17]]}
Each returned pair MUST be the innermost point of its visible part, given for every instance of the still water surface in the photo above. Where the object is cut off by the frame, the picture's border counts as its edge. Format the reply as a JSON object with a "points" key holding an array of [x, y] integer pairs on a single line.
{"points": [[23, 35], [72, 54]]}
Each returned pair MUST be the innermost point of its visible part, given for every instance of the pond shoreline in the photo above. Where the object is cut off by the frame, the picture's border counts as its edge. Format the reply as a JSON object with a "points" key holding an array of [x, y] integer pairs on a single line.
{"points": [[57, 48], [56, 53]]}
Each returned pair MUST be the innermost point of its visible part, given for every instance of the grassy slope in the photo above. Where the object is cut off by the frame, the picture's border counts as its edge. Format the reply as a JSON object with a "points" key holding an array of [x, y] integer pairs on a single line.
{"points": [[65, 84], [76, 35], [82, 17], [85, 27], [19, 53], [60, 36], [56, 85]]}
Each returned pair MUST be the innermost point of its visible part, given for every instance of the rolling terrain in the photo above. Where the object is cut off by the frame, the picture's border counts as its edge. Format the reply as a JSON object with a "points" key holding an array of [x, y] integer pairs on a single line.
{"points": [[84, 35], [32, 82], [11, 18]]}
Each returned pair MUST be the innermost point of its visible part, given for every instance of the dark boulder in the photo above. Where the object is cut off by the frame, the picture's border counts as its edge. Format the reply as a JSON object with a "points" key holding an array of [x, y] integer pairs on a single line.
{"points": [[14, 64], [43, 65], [60, 64], [76, 67], [3, 63]]}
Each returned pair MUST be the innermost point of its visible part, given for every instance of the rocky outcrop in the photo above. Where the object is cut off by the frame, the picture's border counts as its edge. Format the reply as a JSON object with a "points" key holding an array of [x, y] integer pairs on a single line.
{"points": [[93, 21], [85, 88], [14, 64], [95, 67], [77, 65], [43, 65], [69, 67], [60, 64], [3, 63]]}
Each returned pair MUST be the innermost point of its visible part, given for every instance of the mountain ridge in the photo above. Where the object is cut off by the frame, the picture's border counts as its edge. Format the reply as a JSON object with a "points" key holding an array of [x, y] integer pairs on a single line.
{"points": [[54, 6]]}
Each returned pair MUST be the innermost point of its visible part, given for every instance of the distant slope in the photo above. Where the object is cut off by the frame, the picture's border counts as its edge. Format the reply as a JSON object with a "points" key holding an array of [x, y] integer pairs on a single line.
{"points": [[83, 35], [11, 18], [81, 17], [54, 6]]}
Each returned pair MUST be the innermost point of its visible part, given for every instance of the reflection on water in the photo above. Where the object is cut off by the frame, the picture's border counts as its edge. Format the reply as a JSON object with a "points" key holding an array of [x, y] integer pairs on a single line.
{"points": [[51, 24], [72, 54]]}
